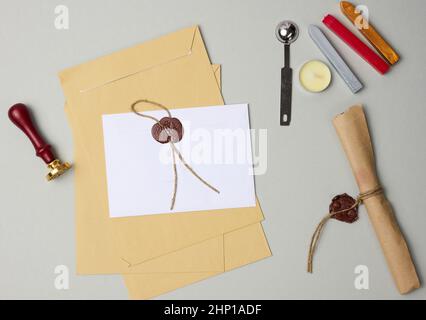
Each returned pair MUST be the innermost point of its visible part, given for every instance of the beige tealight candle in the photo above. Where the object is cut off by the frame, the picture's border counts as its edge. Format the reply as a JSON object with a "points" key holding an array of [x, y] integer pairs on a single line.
{"points": [[315, 76]]}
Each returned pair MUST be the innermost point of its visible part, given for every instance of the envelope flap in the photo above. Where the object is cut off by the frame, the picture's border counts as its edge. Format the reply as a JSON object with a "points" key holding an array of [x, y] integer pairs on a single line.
{"points": [[127, 62]]}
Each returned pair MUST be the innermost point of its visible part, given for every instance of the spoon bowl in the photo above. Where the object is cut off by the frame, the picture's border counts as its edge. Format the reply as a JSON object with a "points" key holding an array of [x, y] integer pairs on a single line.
{"points": [[287, 32]]}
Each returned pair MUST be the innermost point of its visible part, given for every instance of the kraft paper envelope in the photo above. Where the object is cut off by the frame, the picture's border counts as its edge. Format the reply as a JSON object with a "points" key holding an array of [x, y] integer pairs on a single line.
{"points": [[237, 253], [107, 245]]}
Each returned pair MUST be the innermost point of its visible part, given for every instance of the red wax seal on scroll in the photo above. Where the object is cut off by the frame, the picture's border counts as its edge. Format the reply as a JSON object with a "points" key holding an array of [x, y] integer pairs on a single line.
{"points": [[167, 130], [339, 208]]}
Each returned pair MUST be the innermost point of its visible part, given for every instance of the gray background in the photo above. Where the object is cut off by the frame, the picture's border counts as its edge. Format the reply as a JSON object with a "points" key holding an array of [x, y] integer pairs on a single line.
{"points": [[306, 165]]}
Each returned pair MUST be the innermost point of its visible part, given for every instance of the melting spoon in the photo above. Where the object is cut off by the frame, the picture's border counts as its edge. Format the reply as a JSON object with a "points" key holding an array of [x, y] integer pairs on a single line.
{"points": [[286, 32]]}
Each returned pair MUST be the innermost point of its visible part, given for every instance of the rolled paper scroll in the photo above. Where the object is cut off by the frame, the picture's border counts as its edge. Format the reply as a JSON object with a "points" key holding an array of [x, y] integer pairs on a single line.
{"points": [[352, 129]]}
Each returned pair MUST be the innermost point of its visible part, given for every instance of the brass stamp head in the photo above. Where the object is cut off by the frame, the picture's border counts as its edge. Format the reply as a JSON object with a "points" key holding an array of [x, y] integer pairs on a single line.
{"points": [[57, 168]]}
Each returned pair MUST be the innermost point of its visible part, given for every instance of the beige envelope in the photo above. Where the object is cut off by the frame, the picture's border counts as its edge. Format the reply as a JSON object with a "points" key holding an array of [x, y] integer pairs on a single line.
{"points": [[92, 216], [242, 247], [237, 254]]}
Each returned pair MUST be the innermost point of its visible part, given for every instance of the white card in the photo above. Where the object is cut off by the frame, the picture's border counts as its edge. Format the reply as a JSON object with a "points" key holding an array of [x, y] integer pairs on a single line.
{"points": [[216, 143]]}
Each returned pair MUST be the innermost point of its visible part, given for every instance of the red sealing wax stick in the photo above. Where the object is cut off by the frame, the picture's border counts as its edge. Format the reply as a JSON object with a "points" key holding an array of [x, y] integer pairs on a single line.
{"points": [[356, 44], [20, 116]]}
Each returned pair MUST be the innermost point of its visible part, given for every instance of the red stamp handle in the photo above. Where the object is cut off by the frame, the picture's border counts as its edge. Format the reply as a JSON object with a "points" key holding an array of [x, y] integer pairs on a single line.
{"points": [[19, 114]]}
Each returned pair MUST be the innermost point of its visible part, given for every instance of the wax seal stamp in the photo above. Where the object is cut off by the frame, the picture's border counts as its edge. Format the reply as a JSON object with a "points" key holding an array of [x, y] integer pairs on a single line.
{"points": [[19, 114], [344, 208]]}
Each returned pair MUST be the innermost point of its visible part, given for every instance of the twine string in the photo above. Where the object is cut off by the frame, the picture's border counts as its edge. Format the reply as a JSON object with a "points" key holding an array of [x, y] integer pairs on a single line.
{"points": [[191, 169], [175, 180], [134, 104], [317, 233], [173, 149]]}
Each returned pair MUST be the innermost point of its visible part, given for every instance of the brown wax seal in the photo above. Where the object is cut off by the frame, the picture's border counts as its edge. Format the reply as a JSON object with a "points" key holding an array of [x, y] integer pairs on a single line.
{"points": [[168, 129], [343, 202]]}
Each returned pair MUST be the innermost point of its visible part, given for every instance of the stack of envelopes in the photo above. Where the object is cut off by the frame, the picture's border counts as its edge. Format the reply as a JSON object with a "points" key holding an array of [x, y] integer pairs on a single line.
{"points": [[155, 253]]}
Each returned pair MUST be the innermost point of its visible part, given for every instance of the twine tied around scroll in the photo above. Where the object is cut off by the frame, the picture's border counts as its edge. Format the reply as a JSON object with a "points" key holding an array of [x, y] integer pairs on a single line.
{"points": [[349, 214], [169, 130]]}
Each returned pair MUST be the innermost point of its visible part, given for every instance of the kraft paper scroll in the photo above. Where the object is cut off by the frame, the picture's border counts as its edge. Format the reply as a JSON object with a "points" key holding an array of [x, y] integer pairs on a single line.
{"points": [[352, 129]]}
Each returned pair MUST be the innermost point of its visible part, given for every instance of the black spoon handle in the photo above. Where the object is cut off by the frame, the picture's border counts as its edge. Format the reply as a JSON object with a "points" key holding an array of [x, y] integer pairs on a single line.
{"points": [[286, 89], [286, 55]]}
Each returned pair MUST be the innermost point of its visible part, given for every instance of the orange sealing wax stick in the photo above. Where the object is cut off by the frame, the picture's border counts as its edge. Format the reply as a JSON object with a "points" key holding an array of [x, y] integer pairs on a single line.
{"points": [[371, 34]]}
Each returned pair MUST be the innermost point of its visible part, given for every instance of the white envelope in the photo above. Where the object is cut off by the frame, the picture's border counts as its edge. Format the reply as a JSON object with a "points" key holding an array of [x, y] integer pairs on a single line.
{"points": [[216, 144]]}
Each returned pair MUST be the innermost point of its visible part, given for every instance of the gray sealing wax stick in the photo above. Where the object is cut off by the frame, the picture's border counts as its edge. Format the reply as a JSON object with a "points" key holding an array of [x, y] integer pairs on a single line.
{"points": [[335, 59]]}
